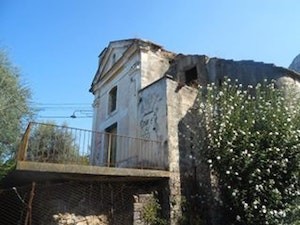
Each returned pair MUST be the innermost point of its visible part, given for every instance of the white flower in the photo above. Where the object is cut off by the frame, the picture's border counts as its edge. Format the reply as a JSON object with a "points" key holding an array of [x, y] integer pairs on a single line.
{"points": [[282, 213], [245, 205], [218, 157]]}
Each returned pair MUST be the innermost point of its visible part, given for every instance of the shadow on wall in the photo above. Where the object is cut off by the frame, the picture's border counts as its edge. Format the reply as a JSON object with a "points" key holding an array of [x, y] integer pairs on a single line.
{"points": [[197, 185]]}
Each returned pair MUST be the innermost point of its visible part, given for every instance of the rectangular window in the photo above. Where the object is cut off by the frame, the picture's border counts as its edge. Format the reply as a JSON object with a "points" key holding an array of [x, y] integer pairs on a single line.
{"points": [[112, 99], [191, 77]]}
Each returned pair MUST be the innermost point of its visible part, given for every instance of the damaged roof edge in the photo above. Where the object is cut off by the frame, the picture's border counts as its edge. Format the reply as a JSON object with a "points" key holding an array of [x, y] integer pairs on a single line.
{"points": [[292, 73]]}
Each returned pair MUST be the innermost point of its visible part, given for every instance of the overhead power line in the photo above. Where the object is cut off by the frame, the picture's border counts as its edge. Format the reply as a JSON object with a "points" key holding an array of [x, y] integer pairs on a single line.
{"points": [[61, 117], [61, 108], [54, 104]]}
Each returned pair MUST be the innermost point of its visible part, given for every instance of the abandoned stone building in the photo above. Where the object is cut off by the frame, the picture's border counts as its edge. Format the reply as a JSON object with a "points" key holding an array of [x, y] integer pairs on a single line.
{"points": [[141, 145], [142, 90]]}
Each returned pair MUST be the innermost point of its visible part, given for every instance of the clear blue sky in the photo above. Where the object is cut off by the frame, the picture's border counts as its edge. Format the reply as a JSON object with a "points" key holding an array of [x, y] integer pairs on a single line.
{"points": [[55, 43]]}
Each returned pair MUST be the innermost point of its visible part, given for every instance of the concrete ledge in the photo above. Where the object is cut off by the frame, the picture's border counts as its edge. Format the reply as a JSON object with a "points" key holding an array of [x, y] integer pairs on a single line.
{"points": [[26, 172], [89, 170]]}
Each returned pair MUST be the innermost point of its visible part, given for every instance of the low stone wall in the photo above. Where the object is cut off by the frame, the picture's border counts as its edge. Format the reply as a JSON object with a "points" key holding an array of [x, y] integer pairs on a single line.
{"points": [[140, 201], [68, 219]]}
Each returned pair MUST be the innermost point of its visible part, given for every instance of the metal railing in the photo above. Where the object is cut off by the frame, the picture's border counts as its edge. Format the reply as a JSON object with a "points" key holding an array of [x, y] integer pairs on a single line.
{"points": [[65, 145]]}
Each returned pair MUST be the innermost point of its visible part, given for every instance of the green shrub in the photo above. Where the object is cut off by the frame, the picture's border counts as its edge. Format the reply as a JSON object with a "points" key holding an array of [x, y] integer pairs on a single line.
{"points": [[252, 145]]}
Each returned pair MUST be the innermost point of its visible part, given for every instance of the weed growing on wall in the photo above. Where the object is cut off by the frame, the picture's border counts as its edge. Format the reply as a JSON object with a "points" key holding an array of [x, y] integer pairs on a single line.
{"points": [[252, 146], [151, 213]]}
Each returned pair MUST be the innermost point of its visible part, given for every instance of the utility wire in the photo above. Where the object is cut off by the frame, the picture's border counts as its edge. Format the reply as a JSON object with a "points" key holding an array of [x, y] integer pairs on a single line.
{"points": [[38, 103], [62, 108], [59, 117]]}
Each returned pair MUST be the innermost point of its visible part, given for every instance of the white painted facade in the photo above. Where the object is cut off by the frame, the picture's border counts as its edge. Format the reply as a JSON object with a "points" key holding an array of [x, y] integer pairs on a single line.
{"points": [[124, 65]]}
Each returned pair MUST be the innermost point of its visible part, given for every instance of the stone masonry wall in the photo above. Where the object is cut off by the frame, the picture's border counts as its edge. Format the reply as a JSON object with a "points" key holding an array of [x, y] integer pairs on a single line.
{"points": [[179, 100], [215, 70], [140, 201]]}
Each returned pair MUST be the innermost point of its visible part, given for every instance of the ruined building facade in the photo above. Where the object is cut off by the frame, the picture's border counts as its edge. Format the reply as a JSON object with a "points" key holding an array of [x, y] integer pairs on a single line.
{"points": [[142, 90]]}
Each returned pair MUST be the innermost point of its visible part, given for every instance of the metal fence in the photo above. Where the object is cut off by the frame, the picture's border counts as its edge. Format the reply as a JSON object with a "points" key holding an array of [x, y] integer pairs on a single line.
{"points": [[66, 145], [77, 203]]}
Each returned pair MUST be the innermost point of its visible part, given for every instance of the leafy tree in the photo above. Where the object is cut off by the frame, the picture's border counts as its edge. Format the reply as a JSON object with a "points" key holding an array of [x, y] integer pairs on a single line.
{"points": [[52, 143], [252, 145], [14, 109]]}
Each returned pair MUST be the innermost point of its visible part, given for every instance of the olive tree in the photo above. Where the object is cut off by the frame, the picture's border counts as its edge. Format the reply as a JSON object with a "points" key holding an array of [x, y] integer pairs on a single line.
{"points": [[51, 143], [14, 109]]}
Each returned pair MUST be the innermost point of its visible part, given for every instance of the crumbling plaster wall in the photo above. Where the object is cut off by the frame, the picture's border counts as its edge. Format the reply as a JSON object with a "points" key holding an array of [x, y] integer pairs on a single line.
{"points": [[162, 107], [182, 63], [154, 64], [214, 70], [152, 119]]}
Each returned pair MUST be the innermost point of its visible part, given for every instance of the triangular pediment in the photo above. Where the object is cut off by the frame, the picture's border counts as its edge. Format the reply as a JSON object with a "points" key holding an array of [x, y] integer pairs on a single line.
{"points": [[114, 52], [111, 55]]}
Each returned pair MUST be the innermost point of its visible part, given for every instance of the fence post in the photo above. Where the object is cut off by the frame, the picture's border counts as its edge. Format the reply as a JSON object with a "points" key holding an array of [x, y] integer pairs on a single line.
{"points": [[22, 152], [28, 219]]}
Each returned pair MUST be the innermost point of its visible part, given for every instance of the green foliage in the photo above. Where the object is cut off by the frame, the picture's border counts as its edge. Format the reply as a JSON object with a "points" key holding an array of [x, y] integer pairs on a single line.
{"points": [[187, 216], [151, 213], [252, 145], [14, 109], [6, 167], [51, 143]]}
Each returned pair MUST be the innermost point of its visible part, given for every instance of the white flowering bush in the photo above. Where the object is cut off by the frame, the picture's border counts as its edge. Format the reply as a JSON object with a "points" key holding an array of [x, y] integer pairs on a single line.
{"points": [[252, 145]]}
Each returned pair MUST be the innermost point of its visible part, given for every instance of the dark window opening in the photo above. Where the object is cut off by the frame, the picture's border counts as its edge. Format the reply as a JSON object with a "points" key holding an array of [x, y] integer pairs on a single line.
{"points": [[220, 83], [113, 99], [191, 77]]}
